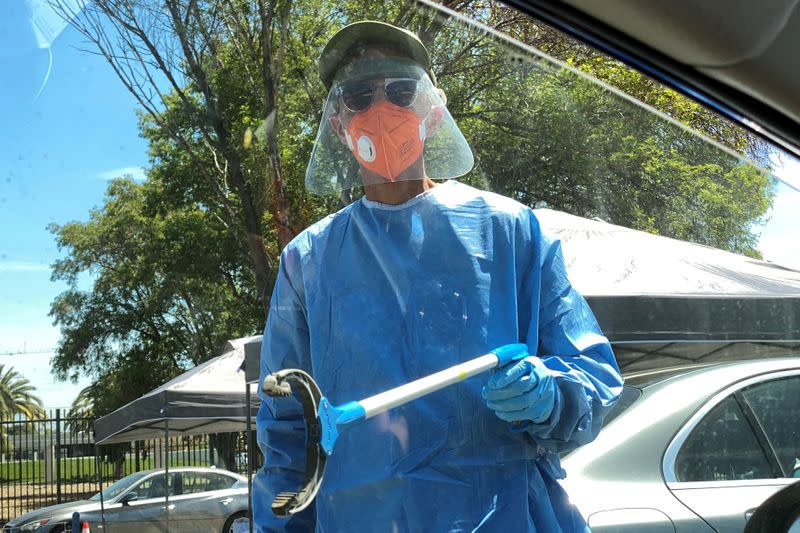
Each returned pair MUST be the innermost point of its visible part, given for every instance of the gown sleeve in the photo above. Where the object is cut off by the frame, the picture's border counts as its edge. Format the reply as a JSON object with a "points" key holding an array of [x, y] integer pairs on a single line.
{"points": [[280, 426], [557, 323]]}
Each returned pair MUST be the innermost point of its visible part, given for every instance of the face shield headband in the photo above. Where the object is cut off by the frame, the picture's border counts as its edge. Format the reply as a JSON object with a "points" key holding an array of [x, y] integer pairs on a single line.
{"points": [[384, 121]]}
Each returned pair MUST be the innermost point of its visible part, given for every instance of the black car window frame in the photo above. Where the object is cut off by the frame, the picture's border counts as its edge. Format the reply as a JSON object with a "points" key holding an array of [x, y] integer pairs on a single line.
{"points": [[758, 427], [754, 454], [669, 459]]}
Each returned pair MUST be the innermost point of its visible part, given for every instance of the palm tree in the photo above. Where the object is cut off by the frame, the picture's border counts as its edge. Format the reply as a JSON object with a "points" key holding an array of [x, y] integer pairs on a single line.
{"points": [[17, 396], [81, 412]]}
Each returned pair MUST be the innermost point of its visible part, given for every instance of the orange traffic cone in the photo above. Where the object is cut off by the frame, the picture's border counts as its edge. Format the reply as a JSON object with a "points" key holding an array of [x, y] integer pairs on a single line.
{"points": [[85, 528]]}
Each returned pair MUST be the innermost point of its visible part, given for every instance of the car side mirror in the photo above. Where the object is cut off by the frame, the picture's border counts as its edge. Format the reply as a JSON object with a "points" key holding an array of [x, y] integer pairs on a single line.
{"points": [[131, 496]]}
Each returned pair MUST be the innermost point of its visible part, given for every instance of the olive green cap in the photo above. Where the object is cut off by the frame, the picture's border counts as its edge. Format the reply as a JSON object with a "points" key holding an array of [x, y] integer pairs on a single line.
{"points": [[366, 33]]}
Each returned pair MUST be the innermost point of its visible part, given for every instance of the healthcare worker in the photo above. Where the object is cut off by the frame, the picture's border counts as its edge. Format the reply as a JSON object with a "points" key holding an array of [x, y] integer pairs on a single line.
{"points": [[415, 277]]}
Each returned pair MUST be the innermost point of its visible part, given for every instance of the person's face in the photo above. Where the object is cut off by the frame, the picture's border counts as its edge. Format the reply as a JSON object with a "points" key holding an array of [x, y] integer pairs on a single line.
{"points": [[360, 95], [353, 98]]}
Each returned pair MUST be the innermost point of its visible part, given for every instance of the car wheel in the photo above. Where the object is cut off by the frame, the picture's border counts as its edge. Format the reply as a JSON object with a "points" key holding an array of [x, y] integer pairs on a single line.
{"points": [[228, 527]]}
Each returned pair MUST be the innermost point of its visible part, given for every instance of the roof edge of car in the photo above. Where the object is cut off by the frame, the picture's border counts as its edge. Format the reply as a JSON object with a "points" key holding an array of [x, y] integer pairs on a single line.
{"points": [[676, 370]]}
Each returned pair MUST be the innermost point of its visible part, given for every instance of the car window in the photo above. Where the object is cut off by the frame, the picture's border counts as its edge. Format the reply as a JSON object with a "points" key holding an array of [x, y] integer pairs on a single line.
{"points": [[149, 488], [222, 482], [118, 487], [195, 482], [776, 405], [722, 447], [154, 487]]}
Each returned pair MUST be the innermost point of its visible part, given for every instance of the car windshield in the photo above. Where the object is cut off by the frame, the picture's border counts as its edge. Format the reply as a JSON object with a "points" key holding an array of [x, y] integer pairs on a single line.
{"points": [[198, 193], [118, 487]]}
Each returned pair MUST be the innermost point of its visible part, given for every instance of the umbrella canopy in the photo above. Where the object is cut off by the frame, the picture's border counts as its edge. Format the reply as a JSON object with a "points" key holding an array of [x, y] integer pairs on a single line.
{"points": [[663, 301], [210, 398]]}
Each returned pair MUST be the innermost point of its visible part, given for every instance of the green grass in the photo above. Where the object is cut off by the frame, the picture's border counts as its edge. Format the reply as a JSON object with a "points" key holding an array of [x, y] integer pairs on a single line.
{"points": [[77, 469]]}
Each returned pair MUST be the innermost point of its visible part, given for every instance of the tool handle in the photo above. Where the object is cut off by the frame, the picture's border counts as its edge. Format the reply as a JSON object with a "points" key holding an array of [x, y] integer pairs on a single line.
{"points": [[333, 416], [384, 401]]}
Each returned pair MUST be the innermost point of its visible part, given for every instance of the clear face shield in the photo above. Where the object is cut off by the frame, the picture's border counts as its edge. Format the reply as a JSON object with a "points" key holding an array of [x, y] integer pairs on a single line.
{"points": [[384, 121]]}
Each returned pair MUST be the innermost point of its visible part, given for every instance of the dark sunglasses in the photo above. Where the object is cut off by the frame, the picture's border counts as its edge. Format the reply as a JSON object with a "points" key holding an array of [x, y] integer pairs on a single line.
{"points": [[358, 96]]}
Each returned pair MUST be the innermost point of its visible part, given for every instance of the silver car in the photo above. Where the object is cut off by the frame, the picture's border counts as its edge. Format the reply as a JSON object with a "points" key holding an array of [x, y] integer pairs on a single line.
{"points": [[692, 449], [200, 500]]}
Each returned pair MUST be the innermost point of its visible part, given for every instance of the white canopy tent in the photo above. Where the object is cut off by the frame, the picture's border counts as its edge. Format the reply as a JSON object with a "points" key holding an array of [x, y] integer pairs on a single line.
{"points": [[209, 398], [663, 302]]}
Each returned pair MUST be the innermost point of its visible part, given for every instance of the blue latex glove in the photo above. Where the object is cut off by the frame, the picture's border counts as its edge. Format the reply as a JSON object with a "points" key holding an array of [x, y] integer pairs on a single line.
{"points": [[525, 391]]}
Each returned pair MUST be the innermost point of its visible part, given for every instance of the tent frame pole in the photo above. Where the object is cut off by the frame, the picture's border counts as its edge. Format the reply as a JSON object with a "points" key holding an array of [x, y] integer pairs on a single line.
{"points": [[99, 466], [249, 458], [166, 468]]}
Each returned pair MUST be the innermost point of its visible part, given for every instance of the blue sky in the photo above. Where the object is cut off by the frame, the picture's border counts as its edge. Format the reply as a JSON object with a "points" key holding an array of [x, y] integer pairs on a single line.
{"points": [[57, 152], [779, 238]]}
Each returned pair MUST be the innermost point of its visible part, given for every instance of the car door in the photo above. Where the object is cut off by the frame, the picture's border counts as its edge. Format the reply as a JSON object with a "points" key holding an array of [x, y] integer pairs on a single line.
{"points": [[206, 502], [146, 514], [744, 448]]}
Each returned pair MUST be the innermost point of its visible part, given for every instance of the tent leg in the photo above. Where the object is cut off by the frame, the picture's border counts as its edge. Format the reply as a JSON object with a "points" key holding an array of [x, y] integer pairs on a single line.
{"points": [[99, 465], [166, 469], [249, 459]]}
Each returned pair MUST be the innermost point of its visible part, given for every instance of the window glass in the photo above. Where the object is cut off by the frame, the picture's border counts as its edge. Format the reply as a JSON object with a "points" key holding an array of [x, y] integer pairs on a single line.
{"points": [[118, 487], [150, 488], [154, 487], [776, 404], [194, 482], [722, 447], [222, 482]]}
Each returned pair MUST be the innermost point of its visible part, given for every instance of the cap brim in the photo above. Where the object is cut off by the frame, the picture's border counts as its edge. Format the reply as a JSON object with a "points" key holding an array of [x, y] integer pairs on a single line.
{"points": [[370, 33]]}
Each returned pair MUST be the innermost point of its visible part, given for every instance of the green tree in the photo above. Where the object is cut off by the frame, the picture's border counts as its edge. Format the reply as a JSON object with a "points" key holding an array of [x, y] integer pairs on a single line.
{"points": [[171, 286], [179, 60], [81, 413], [17, 396], [549, 137]]}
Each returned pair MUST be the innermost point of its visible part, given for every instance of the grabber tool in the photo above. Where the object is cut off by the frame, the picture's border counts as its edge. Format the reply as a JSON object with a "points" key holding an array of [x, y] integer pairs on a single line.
{"points": [[324, 420]]}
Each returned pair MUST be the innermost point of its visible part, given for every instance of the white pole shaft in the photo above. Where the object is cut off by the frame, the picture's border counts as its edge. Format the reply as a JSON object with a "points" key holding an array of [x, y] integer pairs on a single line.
{"points": [[384, 401]]}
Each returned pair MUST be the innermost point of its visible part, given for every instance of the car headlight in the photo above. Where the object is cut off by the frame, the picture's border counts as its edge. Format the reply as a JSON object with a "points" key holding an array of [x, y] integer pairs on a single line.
{"points": [[34, 525]]}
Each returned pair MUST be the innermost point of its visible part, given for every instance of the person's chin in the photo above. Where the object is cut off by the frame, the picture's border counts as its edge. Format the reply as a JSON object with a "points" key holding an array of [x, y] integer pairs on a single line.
{"points": [[375, 180]]}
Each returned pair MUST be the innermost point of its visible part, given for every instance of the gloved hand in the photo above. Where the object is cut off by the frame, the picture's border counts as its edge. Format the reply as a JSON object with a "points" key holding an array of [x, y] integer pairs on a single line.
{"points": [[525, 391]]}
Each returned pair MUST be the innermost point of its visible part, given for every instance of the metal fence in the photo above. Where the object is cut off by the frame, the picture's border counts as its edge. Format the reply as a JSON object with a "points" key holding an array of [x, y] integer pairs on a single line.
{"points": [[53, 460]]}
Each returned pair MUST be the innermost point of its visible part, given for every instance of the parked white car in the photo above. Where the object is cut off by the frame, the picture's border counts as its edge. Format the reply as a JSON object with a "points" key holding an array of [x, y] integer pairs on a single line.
{"points": [[692, 449]]}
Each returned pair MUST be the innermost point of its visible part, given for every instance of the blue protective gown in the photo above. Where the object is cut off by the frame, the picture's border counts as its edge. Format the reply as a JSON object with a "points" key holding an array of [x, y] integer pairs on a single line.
{"points": [[375, 296]]}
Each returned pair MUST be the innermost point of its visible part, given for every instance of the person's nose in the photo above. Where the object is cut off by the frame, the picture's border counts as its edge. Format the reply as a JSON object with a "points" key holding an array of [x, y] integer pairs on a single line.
{"points": [[378, 93]]}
